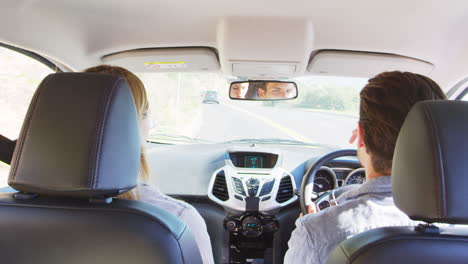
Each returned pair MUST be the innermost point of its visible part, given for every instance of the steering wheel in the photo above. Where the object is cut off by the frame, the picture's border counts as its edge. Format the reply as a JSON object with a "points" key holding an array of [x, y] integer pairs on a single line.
{"points": [[307, 186]]}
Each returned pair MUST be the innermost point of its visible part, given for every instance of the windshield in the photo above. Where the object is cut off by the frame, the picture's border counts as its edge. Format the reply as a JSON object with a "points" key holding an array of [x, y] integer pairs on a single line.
{"points": [[195, 108]]}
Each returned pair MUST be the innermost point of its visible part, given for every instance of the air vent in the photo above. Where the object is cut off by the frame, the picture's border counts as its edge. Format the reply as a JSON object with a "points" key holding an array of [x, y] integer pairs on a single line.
{"points": [[285, 190], [220, 190]]}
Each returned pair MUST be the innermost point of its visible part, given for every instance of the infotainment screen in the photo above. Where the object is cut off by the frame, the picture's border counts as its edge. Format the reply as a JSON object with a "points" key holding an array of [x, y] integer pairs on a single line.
{"points": [[253, 161]]}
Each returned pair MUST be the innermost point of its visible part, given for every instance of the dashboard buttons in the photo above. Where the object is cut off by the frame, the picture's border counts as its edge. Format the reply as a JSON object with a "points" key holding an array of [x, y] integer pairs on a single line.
{"points": [[230, 225], [238, 197], [324, 204], [271, 226], [252, 186], [267, 187], [231, 187], [252, 226], [238, 186]]}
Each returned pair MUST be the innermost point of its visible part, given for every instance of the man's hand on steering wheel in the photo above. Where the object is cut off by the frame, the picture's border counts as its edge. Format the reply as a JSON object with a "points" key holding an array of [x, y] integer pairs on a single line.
{"points": [[311, 209], [307, 191]]}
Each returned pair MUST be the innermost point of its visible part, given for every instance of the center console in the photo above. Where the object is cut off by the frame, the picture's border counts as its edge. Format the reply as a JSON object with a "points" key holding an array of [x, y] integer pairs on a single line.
{"points": [[251, 237], [252, 187]]}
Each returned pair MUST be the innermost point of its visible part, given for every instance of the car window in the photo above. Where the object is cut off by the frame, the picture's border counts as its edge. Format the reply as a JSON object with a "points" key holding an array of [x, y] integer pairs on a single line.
{"points": [[19, 77]]}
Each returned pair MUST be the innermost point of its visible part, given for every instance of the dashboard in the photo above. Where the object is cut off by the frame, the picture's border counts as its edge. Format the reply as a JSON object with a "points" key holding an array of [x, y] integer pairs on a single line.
{"points": [[253, 180], [329, 178], [247, 193]]}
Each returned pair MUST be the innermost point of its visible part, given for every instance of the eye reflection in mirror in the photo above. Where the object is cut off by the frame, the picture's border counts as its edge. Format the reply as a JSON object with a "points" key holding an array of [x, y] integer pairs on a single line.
{"points": [[263, 90], [276, 90], [239, 90]]}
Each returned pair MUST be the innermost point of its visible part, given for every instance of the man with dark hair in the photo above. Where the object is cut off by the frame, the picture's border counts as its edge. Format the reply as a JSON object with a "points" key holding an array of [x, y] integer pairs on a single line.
{"points": [[385, 101], [276, 90]]}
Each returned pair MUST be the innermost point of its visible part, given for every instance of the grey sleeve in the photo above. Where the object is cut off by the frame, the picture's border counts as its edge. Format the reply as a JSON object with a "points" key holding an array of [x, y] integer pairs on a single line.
{"points": [[301, 245]]}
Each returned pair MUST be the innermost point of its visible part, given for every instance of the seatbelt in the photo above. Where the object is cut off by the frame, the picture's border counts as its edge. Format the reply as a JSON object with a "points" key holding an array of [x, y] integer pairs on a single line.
{"points": [[7, 147]]}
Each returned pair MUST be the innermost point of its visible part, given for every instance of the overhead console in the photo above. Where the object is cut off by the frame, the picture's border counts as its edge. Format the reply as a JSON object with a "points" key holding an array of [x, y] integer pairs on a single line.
{"points": [[288, 40]]}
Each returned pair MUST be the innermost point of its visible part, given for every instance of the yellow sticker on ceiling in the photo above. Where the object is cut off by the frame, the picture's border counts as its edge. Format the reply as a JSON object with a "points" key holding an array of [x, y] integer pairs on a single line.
{"points": [[166, 65]]}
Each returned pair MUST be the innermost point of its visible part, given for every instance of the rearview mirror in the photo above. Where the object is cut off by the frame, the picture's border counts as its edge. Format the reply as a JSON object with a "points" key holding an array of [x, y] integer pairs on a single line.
{"points": [[263, 90]]}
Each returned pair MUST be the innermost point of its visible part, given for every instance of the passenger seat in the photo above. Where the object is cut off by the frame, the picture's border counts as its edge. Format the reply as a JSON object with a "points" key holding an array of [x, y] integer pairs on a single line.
{"points": [[79, 147]]}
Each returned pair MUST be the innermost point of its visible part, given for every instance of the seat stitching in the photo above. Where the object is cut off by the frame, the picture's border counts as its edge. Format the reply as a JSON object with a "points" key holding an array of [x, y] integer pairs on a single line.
{"points": [[97, 142], [438, 166], [103, 124], [25, 129], [180, 246], [345, 253]]}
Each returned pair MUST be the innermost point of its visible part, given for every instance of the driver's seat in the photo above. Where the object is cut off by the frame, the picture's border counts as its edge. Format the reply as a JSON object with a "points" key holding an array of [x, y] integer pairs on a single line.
{"points": [[79, 147], [430, 182]]}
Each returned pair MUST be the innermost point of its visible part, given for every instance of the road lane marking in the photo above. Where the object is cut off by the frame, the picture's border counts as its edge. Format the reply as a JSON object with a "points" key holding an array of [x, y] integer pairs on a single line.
{"points": [[283, 129]]}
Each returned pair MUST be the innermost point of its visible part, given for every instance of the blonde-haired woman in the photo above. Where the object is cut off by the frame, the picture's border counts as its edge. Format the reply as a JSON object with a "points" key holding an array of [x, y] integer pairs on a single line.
{"points": [[145, 192]]}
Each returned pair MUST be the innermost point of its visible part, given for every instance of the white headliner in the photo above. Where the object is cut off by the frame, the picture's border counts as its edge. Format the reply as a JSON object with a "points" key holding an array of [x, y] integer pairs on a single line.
{"points": [[79, 33]]}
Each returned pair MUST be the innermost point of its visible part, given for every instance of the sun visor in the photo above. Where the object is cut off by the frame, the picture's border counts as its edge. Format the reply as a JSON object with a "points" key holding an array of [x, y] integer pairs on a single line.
{"points": [[166, 60], [363, 64], [264, 47]]}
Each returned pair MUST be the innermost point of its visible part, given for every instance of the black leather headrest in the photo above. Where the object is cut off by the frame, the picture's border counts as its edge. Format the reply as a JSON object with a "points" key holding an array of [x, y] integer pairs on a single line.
{"points": [[80, 138], [430, 165]]}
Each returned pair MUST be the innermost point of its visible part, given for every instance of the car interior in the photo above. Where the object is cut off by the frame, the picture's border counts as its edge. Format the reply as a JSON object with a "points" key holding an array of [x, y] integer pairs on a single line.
{"points": [[251, 103]]}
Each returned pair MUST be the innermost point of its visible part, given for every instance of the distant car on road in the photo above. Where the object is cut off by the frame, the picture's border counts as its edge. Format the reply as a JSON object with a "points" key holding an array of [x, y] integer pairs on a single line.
{"points": [[211, 97]]}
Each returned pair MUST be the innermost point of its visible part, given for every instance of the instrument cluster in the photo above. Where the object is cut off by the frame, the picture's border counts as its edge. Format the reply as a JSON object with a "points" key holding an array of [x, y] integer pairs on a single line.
{"points": [[327, 178]]}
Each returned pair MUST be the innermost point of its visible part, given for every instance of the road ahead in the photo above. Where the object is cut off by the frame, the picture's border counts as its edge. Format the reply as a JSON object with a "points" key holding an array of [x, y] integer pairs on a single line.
{"points": [[243, 120], [229, 122]]}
